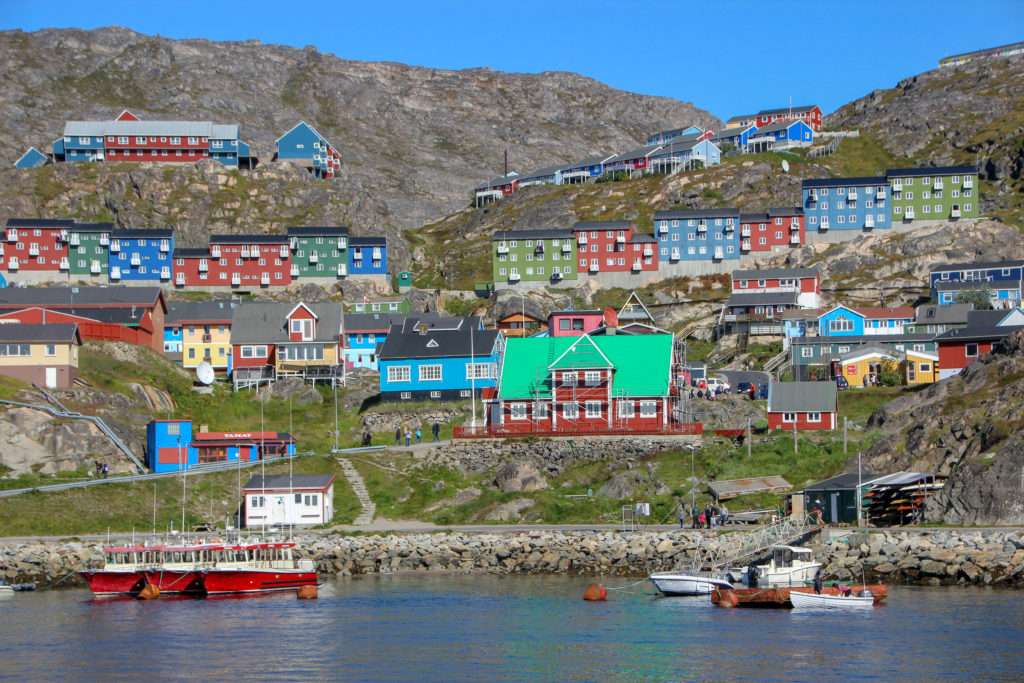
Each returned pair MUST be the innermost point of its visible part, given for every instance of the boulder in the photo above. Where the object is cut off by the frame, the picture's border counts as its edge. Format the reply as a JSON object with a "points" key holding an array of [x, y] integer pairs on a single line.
{"points": [[519, 477], [509, 511], [618, 487]]}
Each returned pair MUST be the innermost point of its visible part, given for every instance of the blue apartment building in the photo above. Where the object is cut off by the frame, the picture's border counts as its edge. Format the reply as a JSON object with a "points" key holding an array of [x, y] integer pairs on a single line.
{"points": [[367, 256], [141, 255], [697, 235], [846, 204]]}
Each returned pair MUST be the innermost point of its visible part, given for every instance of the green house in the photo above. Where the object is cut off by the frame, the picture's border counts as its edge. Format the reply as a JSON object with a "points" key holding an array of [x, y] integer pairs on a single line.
{"points": [[391, 304], [404, 281], [88, 246], [534, 256], [944, 193], [319, 251]]}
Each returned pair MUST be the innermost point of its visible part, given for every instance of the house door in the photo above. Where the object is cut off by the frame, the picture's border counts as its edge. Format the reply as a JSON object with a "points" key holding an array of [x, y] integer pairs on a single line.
{"points": [[834, 507], [51, 378], [495, 418], [278, 514]]}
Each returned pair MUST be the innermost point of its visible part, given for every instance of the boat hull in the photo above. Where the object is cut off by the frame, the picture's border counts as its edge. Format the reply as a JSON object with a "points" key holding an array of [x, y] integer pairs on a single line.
{"points": [[824, 601], [106, 583], [686, 584], [779, 597], [172, 581], [224, 581]]}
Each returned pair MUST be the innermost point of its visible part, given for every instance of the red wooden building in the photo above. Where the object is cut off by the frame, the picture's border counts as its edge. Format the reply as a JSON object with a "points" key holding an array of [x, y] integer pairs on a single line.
{"points": [[811, 115], [775, 229], [240, 261], [960, 347], [805, 405], [614, 247], [35, 244]]}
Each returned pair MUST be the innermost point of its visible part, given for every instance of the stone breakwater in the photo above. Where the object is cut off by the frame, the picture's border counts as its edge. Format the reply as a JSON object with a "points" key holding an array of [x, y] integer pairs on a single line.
{"points": [[916, 557]]}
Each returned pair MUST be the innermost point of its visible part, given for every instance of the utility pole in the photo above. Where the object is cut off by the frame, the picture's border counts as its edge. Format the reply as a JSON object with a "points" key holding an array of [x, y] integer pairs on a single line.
{"points": [[844, 434], [748, 439], [796, 445]]}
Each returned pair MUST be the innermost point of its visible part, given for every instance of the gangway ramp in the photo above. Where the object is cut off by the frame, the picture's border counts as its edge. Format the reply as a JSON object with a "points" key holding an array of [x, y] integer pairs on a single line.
{"points": [[736, 549]]}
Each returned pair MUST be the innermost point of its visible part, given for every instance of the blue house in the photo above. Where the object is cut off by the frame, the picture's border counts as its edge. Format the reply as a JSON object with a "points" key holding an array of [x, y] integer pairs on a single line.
{"points": [[1002, 293], [80, 143], [987, 272], [697, 235], [446, 361], [305, 146], [738, 137], [846, 204], [172, 445], [664, 136], [141, 255], [841, 321], [680, 153], [551, 175], [33, 158], [585, 169], [367, 256], [365, 332], [781, 134]]}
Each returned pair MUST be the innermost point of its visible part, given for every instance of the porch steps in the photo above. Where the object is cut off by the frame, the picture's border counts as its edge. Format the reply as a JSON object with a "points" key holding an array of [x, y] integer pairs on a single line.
{"points": [[369, 508]]}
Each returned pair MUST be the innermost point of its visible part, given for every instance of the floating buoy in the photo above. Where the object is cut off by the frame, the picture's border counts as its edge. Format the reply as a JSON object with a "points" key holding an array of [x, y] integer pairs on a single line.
{"points": [[595, 592], [149, 592], [306, 593]]}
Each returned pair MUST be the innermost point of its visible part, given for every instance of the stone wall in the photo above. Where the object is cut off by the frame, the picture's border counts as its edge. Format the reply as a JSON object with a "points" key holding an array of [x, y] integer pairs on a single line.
{"points": [[912, 557], [378, 422]]}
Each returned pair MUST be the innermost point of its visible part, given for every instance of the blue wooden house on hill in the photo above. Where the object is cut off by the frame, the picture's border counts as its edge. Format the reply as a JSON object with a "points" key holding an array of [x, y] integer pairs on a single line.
{"points": [[32, 158], [305, 146], [846, 204], [446, 360], [661, 137], [982, 271], [738, 136], [781, 134], [585, 169], [367, 256], [141, 255]]}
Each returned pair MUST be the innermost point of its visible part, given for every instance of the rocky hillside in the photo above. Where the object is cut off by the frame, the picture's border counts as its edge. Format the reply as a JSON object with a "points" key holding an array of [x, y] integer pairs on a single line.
{"points": [[969, 427], [971, 114], [414, 140]]}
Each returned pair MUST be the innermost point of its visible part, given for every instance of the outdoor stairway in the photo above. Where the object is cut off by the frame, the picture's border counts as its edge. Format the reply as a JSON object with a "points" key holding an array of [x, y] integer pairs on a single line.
{"points": [[735, 549], [369, 508]]}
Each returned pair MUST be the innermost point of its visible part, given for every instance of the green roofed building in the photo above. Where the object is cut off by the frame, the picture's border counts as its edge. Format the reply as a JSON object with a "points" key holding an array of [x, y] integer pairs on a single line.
{"points": [[599, 384]]}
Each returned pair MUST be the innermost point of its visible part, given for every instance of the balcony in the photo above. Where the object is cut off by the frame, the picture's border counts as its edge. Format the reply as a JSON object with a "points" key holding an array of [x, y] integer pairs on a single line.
{"points": [[556, 276], [955, 212], [637, 265], [824, 223], [812, 197], [165, 245], [593, 266], [245, 252], [794, 238], [95, 268], [719, 253], [566, 248], [165, 273], [513, 276], [342, 243], [236, 279], [203, 267], [284, 252], [115, 273], [1, 250], [12, 264], [795, 225], [702, 227], [342, 270], [115, 246], [179, 279], [729, 227], [136, 260], [376, 253], [869, 222], [215, 250], [880, 194], [745, 231], [908, 213], [74, 239], [357, 257], [294, 243], [852, 194], [502, 248], [254, 250], [264, 279], [937, 184], [12, 235], [314, 257], [539, 249], [745, 245], [104, 240], [582, 238], [968, 181], [64, 265], [295, 270], [620, 238], [662, 229], [674, 255], [33, 250], [648, 250]]}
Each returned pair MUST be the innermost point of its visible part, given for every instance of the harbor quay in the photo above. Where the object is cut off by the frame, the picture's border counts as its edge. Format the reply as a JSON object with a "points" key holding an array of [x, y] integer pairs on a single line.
{"points": [[931, 556]]}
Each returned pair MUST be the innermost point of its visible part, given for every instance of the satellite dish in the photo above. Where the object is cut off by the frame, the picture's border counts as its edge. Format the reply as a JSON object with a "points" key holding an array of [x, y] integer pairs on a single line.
{"points": [[204, 371], [785, 166], [610, 318]]}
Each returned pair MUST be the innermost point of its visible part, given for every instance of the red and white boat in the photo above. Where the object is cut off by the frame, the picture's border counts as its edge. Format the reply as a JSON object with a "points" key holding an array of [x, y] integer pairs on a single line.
{"points": [[202, 569]]}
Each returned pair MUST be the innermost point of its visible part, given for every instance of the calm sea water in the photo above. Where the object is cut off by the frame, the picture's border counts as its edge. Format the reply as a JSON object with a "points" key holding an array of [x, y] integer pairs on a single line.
{"points": [[459, 628]]}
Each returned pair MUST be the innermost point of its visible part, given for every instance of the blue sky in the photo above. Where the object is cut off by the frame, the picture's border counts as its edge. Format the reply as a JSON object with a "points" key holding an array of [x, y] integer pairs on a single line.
{"points": [[727, 57]]}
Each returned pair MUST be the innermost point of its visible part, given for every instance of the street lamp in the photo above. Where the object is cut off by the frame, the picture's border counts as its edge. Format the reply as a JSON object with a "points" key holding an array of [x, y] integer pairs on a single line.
{"points": [[693, 478]]}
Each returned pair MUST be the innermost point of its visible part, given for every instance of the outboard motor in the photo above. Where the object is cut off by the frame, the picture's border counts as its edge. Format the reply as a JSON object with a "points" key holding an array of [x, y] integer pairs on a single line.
{"points": [[752, 575]]}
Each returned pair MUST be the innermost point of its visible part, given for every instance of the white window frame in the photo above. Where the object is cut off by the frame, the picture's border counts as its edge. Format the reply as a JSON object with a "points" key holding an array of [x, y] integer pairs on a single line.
{"points": [[430, 373], [399, 373], [593, 409], [517, 411], [648, 408]]}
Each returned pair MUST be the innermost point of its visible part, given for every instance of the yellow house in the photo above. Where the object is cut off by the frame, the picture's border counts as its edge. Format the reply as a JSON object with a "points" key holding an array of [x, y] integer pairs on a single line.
{"points": [[863, 366], [921, 367], [205, 333], [46, 354]]}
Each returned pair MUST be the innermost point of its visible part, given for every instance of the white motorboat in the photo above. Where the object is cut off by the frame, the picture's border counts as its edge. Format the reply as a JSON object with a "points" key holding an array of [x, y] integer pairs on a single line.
{"points": [[688, 583], [6, 588], [789, 566], [800, 599]]}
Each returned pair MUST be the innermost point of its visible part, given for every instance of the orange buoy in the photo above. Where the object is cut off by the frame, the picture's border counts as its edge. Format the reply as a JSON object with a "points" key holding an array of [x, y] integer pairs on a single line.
{"points": [[149, 592], [306, 593], [595, 592]]}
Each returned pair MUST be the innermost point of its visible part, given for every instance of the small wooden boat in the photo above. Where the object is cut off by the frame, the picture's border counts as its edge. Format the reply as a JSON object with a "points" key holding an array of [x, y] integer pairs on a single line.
{"points": [[813, 600], [688, 583], [781, 597]]}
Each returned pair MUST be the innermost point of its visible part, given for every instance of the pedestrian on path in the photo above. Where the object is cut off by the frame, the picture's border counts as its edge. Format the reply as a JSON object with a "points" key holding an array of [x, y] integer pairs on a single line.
{"points": [[419, 435], [398, 436], [408, 437], [106, 470], [435, 429]]}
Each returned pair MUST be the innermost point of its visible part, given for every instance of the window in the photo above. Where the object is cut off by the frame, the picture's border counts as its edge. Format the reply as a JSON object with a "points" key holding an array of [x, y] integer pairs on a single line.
{"points": [[399, 373], [517, 411], [814, 417], [570, 411], [909, 195], [971, 350], [540, 411], [924, 367], [626, 409], [51, 349], [191, 353], [430, 373], [789, 417], [593, 409], [465, 393], [304, 327], [405, 395], [256, 501], [592, 378], [840, 324], [926, 195], [806, 352], [479, 371], [648, 408], [568, 379]]}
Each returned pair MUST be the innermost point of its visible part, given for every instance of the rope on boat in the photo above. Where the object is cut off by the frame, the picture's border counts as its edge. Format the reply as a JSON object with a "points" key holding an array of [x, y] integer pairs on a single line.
{"points": [[625, 588], [69, 574]]}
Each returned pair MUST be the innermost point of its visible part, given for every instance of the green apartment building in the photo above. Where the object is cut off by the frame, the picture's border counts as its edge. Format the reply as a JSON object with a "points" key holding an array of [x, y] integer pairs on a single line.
{"points": [[319, 251], [88, 246], [546, 256], [394, 304], [944, 193]]}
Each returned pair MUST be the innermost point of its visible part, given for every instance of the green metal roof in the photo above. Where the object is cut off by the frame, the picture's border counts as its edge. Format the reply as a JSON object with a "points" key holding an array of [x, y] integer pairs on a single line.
{"points": [[642, 363]]}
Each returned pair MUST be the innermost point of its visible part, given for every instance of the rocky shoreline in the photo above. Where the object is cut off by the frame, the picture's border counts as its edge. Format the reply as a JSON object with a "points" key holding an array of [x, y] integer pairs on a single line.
{"points": [[921, 557]]}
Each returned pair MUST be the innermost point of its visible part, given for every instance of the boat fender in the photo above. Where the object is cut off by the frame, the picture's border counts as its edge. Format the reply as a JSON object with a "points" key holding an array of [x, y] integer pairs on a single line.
{"points": [[595, 593], [306, 593], [149, 592]]}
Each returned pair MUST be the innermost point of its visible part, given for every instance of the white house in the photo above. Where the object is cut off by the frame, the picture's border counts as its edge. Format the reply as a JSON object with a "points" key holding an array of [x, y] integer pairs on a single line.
{"points": [[280, 499]]}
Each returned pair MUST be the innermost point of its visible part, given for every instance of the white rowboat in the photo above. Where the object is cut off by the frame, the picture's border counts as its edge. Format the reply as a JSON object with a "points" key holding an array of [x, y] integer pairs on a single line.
{"points": [[830, 601], [688, 583]]}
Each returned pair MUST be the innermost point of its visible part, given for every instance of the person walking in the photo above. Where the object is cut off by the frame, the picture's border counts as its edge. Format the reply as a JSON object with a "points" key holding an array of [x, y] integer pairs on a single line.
{"points": [[408, 437], [106, 470], [435, 429], [696, 515], [398, 436], [419, 435], [724, 517]]}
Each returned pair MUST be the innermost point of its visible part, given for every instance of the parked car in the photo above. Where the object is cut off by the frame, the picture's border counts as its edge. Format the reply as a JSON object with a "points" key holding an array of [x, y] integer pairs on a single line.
{"points": [[747, 388], [841, 382], [762, 392], [715, 382]]}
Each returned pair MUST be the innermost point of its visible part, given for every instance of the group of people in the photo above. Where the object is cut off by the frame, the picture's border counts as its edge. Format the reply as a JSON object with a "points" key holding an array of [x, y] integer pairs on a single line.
{"points": [[701, 391], [708, 518], [102, 469], [435, 430]]}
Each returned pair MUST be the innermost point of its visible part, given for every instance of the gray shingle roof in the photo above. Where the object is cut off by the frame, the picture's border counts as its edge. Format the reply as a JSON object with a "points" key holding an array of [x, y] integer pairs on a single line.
{"points": [[367, 242], [540, 173], [589, 161], [63, 223], [259, 322], [930, 314], [46, 332], [977, 333], [405, 341], [762, 299], [864, 338], [280, 482], [248, 239], [83, 298], [162, 128], [926, 171], [378, 321], [971, 285], [776, 127], [730, 132], [195, 311], [601, 225], [802, 397], [773, 273]]}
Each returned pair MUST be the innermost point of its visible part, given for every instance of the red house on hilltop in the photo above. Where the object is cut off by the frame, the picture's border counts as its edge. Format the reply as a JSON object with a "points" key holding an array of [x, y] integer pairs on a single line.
{"points": [[805, 405], [35, 244]]}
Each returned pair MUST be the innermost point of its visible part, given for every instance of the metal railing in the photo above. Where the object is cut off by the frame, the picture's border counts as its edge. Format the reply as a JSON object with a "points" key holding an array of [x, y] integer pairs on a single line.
{"points": [[736, 549], [503, 431]]}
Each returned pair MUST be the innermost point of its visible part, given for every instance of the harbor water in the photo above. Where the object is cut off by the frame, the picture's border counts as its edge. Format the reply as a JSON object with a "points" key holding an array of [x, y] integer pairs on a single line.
{"points": [[520, 628]]}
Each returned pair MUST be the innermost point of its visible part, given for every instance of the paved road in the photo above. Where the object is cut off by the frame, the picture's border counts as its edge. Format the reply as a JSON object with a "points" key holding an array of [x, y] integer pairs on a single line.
{"points": [[734, 377]]}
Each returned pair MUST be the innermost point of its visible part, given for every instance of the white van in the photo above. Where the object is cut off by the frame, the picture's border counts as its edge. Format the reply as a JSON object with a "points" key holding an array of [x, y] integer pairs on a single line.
{"points": [[715, 382]]}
